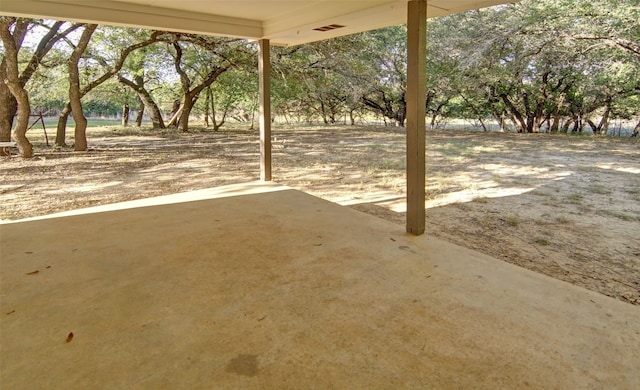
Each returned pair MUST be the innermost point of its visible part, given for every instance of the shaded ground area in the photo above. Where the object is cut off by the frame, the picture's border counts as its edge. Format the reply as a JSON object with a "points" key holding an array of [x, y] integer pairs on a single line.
{"points": [[568, 207], [256, 286]]}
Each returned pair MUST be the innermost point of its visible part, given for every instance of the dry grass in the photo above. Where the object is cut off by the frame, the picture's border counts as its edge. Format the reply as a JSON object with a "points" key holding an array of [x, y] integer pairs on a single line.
{"points": [[568, 207]]}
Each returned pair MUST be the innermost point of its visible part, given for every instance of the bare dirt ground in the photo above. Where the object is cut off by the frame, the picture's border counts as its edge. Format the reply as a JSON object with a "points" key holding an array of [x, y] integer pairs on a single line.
{"points": [[564, 206]]}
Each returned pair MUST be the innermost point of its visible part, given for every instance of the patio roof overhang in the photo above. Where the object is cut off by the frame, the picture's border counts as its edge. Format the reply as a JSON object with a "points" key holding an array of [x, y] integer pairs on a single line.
{"points": [[282, 22]]}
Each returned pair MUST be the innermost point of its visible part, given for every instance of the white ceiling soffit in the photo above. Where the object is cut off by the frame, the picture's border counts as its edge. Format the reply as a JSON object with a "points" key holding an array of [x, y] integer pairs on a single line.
{"points": [[284, 22]]}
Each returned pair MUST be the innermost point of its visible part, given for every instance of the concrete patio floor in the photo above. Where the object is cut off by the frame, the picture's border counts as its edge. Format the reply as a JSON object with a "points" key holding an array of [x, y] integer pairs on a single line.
{"points": [[258, 286]]}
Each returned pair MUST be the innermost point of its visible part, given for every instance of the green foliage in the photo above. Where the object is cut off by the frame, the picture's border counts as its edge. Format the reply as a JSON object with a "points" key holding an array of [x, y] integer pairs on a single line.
{"points": [[235, 94], [542, 61], [549, 65]]}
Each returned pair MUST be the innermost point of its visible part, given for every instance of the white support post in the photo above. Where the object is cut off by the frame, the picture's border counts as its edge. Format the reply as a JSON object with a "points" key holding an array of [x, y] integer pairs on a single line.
{"points": [[416, 112], [264, 71]]}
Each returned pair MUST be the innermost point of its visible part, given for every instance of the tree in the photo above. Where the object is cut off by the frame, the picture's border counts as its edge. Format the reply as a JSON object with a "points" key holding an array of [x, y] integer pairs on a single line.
{"points": [[527, 60], [74, 88], [199, 61], [110, 69], [322, 80], [385, 52], [233, 91], [21, 27], [613, 23], [287, 86], [146, 100], [12, 80], [604, 35], [140, 73]]}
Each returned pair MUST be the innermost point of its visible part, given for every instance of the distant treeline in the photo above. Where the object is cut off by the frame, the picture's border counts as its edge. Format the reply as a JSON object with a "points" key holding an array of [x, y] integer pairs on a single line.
{"points": [[550, 65]]}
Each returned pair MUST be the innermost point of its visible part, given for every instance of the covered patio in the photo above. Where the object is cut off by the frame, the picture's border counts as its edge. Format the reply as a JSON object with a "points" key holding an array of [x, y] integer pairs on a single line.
{"points": [[284, 23], [260, 286], [257, 285]]}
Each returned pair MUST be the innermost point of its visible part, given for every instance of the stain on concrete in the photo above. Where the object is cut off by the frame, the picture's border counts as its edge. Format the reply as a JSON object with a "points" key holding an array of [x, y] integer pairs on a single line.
{"points": [[246, 365], [408, 249]]}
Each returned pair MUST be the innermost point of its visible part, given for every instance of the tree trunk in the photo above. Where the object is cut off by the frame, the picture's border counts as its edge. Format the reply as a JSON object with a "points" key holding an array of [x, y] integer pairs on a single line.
{"points": [[213, 111], [145, 97], [636, 131], [521, 124], [437, 112], [555, 124], [22, 123], [484, 127], [324, 112], [12, 82], [8, 110], [566, 125], [402, 111], [577, 124], [74, 89], [191, 95], [531, 121], [557, 113], [8, 104], [499, 117], [183, 123], [384, 107], [501, 120], [538, 121], [173, 121], [515, 124], [80, 131], [125, 114], [61, 131], [580, 123], [538, 113], [432, 124], [217, 125], [175, 118], [603, 126], [140, 114], [206, 107]]}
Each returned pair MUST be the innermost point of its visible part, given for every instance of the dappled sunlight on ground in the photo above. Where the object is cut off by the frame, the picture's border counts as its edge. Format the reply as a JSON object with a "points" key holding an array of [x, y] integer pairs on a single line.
{"points": [[469, 195], [568, 207], [85, 187], [618, 168]]}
